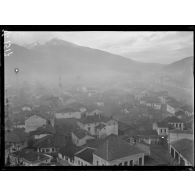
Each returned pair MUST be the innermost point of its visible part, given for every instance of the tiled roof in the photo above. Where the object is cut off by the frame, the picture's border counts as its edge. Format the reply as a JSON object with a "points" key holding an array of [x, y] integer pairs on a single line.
{"points": [[94, 119], [86, 154], [163, 124], [69, 150], [55, 140], [173, 119], [185, 148], [30, 155], [93, 143], [114, 148], [80, 133], [45, 129]]}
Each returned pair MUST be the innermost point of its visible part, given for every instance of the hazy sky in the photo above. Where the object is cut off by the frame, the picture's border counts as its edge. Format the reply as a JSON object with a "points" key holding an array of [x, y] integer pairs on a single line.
{"points": [[162, 47]]}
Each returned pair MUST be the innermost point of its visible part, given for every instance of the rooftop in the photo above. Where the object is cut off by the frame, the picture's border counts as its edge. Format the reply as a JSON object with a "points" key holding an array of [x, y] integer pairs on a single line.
{"points": [[173, 119], [115, 148], [45, 129], [80, 133], [30, 155], [185, 148], [86, 154], [163, 124], [69, 150], [55, 140]]}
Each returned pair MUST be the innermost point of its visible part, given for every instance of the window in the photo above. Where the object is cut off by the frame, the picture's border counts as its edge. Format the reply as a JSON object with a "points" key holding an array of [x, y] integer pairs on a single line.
{"points": [[120, 164], [125, 163], [97, 163]]}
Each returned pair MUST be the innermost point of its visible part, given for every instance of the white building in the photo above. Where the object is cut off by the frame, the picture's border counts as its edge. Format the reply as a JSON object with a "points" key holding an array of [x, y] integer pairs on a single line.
{"points": [[161, 128], [116, 152], [68, 113], [28, 157], [98, 125]]}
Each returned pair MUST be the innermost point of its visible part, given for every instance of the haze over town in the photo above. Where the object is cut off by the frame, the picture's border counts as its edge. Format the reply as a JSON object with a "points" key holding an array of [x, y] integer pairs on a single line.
{"points": [[99, 98]]}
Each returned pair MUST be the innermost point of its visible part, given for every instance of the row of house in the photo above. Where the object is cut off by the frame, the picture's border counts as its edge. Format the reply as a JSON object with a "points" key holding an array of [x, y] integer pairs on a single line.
{"points": [[111, 151], [170, 123], [98, 125]]}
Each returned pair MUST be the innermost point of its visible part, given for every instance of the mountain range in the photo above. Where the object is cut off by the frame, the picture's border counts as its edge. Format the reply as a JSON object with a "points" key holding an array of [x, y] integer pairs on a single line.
{"points": [[58, 57]]}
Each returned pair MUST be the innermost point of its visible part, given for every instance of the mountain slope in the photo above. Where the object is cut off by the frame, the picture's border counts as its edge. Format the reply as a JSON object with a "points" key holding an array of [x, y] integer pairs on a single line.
{"points": [[57, 57]]}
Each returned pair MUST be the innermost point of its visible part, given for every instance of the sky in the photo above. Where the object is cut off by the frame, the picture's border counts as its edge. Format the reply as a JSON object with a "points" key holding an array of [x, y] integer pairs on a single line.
{"points": [[146, 46]]}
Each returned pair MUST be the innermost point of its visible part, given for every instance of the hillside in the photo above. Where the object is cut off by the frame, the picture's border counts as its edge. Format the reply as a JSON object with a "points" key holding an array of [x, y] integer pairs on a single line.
{"points": [[57, 57]]}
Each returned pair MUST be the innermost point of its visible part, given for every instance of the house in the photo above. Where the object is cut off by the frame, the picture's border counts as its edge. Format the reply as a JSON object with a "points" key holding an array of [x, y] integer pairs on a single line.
{"points": [[182, 151], [162, 128], [29, 157], [80, 137], [84, 157], [176, 134], [50, 143], [33, 122], [68, 113], [105, 129], [134, 136], [153, 102], [92, 125], [174, 122], [116, 152]]}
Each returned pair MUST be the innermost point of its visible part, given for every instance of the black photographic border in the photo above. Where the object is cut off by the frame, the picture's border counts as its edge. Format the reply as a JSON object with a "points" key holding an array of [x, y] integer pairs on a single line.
{"points": [[79, 28]]}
